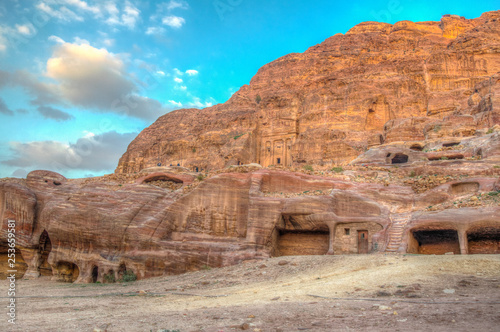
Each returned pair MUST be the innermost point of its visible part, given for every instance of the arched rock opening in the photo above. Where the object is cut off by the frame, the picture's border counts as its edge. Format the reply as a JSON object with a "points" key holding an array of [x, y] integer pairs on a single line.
{"points": [[67, 271], [416, 147], [399, 158], [95, 274], [19, 264], [297, 236], [164, 181], [434, 242], [44, 248], [484, 240]]}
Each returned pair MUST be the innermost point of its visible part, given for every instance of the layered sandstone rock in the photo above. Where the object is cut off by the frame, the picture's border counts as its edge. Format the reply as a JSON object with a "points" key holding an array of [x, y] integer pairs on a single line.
{"points": [[88, 231], [377, 83]]}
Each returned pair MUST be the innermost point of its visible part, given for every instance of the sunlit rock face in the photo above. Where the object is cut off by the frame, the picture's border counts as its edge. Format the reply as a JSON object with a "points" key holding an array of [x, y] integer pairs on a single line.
{"points": [[410, 110], [378, 83], [89, 230]]}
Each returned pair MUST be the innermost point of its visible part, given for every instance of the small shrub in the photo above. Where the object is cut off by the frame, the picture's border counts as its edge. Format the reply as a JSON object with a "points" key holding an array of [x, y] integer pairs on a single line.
{"points": [[206, 267], [128, 276], [194, 150], [490, 131], [437, 128], [258, 99], [413, 174], [200, 177], [109, 278], [337, 169], [308, 168], [494, 193], [238, 136], [496, 166], [444, 158]]}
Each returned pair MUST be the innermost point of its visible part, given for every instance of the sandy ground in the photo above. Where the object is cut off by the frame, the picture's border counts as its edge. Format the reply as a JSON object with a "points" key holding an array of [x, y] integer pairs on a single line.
{"points": [[308, 293]]}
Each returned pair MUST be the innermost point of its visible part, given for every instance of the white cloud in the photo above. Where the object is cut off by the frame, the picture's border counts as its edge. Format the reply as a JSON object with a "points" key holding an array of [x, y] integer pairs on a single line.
{"points": [[178, 72], [56, 39], [155, 31], [23, 29], [3, 40], [192, 72], [173, 4], [109, 42], [198, 104], [89, 153], [160, 73], [63, 14], [175, 103], [183, 87], [129, 18], [94, 78], [84, 6], [81, 41], [172, 21], [86, 77], [178, 80]]}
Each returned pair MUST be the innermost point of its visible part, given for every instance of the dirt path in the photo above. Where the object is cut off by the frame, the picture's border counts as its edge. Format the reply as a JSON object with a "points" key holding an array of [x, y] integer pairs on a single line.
{"points": [[309, 293]]}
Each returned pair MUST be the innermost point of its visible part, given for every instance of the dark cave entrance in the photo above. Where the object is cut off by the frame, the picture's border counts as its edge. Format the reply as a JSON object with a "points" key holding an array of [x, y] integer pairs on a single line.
{"points": [[95, 274], [67, 271], [436, 242], [20, 265], [485, 240], [399, 158], [44, 247]]}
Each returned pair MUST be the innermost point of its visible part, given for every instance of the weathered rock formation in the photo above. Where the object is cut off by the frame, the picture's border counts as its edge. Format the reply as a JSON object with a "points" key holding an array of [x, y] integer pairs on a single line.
{"points": [[378, 83], [80, 230], [412, 107]]}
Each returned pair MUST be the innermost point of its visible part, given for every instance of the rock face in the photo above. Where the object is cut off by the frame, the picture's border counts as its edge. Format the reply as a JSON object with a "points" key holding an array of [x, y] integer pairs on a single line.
{"points": [[378, 83], [87, 231], [413, 107]]}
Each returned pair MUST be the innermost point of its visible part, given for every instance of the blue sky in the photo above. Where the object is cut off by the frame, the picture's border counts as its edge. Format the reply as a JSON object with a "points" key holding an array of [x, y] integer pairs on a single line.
{"points": [[79, 79]]}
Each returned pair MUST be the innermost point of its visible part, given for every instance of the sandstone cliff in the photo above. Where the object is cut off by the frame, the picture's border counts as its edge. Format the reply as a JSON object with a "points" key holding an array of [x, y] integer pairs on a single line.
{"points": [[378, 83]]}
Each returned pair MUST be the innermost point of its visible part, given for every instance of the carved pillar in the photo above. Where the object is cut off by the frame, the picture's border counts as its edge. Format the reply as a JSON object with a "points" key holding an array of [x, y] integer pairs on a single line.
{"points": [[464, 244]]}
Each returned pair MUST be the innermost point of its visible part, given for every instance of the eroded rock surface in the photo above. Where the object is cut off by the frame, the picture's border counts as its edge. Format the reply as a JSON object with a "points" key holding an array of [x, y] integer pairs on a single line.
{"points": [[378, 83]]}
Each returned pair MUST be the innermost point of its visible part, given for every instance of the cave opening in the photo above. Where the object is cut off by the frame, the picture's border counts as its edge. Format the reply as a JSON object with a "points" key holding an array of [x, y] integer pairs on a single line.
{"points": [[20, 265], [436, 242], [400, 158], [67, 271], [44, 248], [484, 240], [464, 188], [95, 274], [302, 243], [165, 181], [416, 147], [122, 269], [447, 145]]}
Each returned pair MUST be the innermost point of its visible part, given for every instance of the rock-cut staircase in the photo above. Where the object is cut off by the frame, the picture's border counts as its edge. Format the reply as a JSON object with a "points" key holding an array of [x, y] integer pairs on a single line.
{"points": [[399, 222]]}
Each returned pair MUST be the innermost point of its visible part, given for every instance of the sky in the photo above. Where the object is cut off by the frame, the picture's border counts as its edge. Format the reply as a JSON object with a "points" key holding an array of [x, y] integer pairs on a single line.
{"points": [[79, 79]]}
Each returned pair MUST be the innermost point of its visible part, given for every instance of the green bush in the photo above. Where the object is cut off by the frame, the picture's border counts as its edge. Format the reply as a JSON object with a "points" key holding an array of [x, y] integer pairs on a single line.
{"points": [[413, 174], [200, 177], [109, 278], [128, 276], [258, 99], [308, 168], [444, 158], [337, 169], [490, 131], [238, 136]]}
